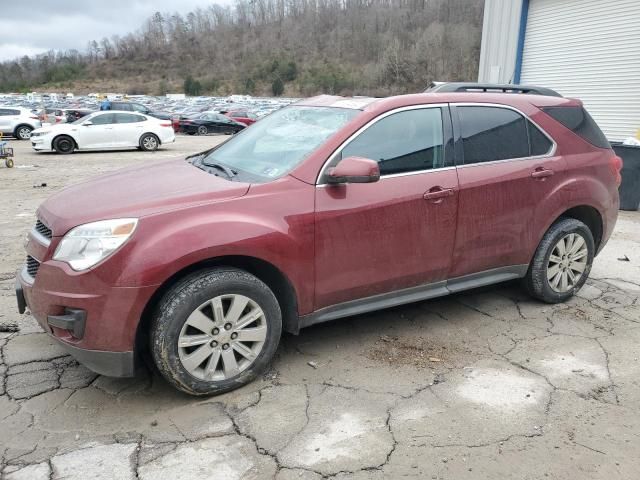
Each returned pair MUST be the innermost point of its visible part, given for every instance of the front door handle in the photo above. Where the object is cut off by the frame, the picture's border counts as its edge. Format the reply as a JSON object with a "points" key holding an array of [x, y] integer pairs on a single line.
{"points": [[541, 172], [438, 193]]}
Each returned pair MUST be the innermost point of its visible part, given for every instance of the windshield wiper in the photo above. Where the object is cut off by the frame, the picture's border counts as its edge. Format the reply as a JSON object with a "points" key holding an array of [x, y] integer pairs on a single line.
{"points": [[228, 171]]}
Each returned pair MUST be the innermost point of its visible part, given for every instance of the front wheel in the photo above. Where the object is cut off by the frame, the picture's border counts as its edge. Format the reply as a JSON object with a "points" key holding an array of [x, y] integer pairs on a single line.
{"points": [[64, 145], [215, 331], [203, 130], [562, 262], [149, 142]]}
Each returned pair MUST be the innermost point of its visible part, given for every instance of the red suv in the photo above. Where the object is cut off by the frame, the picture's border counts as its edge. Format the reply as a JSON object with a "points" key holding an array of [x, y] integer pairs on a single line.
{"points": [[328, 208], [243, 116]]}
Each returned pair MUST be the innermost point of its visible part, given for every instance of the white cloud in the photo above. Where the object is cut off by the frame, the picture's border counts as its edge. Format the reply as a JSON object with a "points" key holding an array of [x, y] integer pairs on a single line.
{"points": [[9, 51], [71, 24]]}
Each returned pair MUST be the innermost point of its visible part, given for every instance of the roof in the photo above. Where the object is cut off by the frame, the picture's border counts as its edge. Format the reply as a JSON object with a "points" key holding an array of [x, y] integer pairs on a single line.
{"points": [[379, 105]]}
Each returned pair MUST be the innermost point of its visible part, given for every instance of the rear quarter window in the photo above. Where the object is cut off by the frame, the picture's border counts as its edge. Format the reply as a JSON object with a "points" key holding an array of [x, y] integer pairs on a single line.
{"points": [[578, 120]]}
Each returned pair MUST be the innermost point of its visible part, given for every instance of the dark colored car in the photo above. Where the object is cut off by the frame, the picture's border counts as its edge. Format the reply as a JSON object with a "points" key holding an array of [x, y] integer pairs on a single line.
{"points": [[243, 116], [328, 208], [208, 122], [74, 114], [139, 108]]}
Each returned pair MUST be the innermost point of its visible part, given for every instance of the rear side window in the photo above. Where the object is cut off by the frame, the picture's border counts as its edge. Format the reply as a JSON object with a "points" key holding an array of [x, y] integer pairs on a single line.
{"points": [[578, 120], [538, 141], [492, 133]]}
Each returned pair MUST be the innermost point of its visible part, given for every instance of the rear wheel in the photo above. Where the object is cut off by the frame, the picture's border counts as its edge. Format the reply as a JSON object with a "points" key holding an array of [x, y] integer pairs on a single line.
{"points": [[562, 262], [23, 132], [149, 142], [203, 130], [64, 145], [215, 331]]}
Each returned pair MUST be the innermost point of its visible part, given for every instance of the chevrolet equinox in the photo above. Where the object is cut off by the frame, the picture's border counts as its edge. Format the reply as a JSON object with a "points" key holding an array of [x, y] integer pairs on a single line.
{"points": [[328, 208]]}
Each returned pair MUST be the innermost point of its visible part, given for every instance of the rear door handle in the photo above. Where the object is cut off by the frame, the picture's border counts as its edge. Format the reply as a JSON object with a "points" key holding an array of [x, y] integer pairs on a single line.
{"points": [[438, 193], [541, 172]]}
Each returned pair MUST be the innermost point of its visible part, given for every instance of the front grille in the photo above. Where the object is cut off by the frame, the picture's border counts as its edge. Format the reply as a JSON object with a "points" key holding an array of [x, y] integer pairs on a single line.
{"points": [[32, 266], [43, 230]]}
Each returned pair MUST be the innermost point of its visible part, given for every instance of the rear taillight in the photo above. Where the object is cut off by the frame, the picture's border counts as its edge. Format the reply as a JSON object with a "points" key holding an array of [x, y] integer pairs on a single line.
{"points": [[166, 125], [34, 118], [616, 167]]}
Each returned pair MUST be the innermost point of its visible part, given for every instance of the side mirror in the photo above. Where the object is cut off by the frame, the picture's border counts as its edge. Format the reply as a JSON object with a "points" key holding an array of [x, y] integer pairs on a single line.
{"points": [[354, 170], [88, 123]]}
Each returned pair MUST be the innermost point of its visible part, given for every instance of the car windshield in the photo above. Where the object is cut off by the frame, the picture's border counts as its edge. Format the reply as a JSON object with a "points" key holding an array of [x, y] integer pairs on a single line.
{"points": [[278, 143]]}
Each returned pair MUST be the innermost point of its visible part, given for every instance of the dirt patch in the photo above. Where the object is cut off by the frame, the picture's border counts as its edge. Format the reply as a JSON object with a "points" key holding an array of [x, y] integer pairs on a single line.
{"points": [[419, 352]]}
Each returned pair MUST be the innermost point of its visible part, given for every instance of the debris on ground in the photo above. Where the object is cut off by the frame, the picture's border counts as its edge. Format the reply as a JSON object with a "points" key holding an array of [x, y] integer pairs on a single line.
{"points": [[42, 185], [624, 258], [312, 364], [9, 327]]}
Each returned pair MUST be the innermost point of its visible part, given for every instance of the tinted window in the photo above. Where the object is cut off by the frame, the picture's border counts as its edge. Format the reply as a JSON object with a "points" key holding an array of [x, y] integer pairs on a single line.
{"points": [[4, 112], [492, 133], [538, 142], [136, 107], [128, 118], [580, 122], [406, 141], [104, 119]]}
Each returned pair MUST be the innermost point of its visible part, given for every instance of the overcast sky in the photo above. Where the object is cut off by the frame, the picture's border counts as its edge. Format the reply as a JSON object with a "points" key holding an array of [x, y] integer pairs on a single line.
{"points": [[35, 26]]}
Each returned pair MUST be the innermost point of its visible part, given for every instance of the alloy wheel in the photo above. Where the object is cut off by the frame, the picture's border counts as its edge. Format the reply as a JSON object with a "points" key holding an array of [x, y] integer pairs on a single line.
{"points": [[150, 143], [567, 262], [222, 337], [24, 133]]}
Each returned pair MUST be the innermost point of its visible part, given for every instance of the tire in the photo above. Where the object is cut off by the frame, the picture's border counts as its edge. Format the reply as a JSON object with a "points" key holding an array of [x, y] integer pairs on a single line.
{"points": [[22, 132], [555, 276], [189, 303], [203, 130], [149, 142], [64, 145]]}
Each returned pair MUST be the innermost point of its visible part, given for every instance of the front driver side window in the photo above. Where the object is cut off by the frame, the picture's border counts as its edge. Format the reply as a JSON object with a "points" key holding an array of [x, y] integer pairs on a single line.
{"points": [[104, 119], [407, 141]]}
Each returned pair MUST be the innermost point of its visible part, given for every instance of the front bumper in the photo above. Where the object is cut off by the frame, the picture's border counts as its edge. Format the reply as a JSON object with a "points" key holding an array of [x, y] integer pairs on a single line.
{"points": [[111, 364], [95, 323]]}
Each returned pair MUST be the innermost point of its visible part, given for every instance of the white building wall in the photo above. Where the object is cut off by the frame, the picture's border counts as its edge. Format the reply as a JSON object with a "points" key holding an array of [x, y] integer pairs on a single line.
{"points": [[500, 26], [588, 49]]}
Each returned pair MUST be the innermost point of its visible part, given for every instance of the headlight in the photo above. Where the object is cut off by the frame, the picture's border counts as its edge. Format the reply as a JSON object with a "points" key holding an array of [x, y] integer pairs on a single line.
{"points": [[88, 244], [39, 134]]}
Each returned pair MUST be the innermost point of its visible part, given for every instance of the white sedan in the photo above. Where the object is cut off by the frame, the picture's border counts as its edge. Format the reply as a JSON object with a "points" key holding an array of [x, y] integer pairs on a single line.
{"points": [[104, 131]]}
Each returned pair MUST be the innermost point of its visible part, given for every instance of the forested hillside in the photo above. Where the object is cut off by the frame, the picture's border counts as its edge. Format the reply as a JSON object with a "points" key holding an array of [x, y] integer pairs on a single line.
{"points": [[291, 47]]}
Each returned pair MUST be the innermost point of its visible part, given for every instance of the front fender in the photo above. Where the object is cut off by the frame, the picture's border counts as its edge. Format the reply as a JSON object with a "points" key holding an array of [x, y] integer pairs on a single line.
{"points": [[278, 231]]}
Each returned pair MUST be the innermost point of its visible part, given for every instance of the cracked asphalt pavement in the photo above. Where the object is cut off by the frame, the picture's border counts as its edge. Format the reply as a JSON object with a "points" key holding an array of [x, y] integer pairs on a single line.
{"points": [[486, 384]]}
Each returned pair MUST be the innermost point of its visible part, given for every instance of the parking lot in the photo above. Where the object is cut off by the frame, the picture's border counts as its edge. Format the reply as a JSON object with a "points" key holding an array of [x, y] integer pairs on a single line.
{"points": [[485, 384]]}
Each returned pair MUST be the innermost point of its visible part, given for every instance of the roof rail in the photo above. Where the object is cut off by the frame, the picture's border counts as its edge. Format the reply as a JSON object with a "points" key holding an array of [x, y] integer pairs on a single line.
{"points": [[490, 87]]}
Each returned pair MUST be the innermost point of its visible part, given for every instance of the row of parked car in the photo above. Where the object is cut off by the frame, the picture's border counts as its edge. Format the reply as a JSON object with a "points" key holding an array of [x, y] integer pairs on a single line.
{"points": [[127, 123], [195, 115]]}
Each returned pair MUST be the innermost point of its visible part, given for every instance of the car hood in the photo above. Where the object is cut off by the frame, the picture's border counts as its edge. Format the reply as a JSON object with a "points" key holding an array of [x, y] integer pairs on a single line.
{"points": [[136, 192]]}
